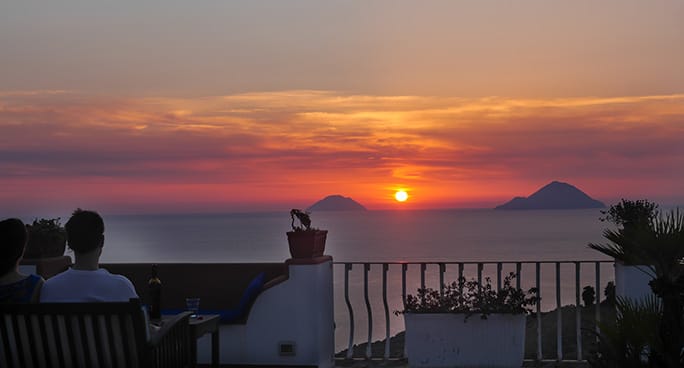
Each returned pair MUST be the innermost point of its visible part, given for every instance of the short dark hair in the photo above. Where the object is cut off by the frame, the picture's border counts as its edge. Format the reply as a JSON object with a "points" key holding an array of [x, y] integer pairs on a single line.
{"points": [[85, 230], [13, 238]]}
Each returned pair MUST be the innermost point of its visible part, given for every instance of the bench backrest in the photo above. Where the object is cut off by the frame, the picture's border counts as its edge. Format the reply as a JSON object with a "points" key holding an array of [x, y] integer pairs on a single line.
{"points": [[73, 335]]}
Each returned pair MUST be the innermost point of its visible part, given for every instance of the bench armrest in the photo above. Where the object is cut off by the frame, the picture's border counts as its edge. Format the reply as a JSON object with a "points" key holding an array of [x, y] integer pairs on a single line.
{"points": [[171, 343], [172, 326]]}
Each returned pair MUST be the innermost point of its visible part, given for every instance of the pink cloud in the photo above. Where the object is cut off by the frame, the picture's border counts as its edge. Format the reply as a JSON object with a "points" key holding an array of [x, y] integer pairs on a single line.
{"points": [[266, 150]]}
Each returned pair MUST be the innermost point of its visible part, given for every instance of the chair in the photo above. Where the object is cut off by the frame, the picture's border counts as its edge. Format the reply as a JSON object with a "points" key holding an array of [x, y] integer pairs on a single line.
{"points": [[90, 335]]}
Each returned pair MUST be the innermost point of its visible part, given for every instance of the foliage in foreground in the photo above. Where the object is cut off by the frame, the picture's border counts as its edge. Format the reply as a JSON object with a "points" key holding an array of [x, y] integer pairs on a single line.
{"points": [[632, 339], [656, 240]]}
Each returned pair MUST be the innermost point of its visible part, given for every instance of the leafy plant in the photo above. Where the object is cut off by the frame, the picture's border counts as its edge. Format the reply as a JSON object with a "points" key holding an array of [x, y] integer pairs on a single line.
{"points": [[632, 339], [46, 236], [302, 217], [588, 296], [631, 214], [633, 219], [469, 298], [46, 226]]}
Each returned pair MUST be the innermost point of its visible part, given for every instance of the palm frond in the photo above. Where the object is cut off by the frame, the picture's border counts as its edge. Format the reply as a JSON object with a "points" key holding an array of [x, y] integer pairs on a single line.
{"points": [[632, 339]]}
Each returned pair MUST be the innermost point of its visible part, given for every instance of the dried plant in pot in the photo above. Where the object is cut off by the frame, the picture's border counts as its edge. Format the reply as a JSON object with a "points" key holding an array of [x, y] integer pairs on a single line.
{"points": [[47, 238], [305, 241]]}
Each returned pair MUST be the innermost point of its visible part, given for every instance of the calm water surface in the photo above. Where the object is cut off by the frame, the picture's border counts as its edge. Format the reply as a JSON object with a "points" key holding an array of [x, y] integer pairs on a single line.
{"points": [[447, 235]]}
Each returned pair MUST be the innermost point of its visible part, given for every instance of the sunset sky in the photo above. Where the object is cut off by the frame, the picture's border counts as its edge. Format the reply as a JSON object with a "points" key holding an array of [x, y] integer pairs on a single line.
{"points": [[219, 106]]}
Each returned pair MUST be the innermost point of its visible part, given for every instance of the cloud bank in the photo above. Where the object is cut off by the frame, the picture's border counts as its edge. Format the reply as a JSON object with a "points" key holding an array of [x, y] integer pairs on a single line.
{"points": [[272, 150]]}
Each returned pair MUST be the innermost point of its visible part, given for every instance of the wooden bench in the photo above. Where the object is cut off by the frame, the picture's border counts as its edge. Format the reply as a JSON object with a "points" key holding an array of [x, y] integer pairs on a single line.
{"points": [[90, 335]]}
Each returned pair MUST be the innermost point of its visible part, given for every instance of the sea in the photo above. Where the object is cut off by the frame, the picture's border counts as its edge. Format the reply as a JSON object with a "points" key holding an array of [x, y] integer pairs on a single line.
{"points": [[426, 235], [477, 235]]}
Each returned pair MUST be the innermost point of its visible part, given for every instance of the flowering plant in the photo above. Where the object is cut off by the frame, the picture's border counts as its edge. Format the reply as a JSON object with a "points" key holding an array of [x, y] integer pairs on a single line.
{"points": [[469, 298]]}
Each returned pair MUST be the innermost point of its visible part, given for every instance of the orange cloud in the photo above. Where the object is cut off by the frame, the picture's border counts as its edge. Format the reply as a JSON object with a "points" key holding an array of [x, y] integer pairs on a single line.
{"points": [[276, 149]]}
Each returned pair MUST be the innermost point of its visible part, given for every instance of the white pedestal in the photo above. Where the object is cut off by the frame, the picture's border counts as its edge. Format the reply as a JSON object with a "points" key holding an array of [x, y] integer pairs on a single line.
{"points": [[632, 281], [291, 323]]}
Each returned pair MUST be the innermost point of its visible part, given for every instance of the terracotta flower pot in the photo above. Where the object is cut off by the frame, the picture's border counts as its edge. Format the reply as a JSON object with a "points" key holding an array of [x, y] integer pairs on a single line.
{"points": [[307, 243]]}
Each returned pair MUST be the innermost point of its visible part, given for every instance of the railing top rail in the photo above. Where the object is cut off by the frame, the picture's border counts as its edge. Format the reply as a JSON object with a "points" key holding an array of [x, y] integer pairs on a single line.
{"points": [[469, 262]]}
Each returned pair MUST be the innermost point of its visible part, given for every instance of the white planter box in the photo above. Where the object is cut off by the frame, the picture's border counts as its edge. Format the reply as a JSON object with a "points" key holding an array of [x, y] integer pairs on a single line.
{"points": [[632, 281], [444, 340]]}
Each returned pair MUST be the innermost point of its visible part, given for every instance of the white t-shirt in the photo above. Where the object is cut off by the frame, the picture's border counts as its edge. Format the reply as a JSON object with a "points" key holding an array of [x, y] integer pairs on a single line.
{"points": [[87, 286]]}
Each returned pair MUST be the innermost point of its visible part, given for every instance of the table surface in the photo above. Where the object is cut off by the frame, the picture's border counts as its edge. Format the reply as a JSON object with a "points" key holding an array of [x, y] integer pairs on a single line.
{"points": [[205, 323]]}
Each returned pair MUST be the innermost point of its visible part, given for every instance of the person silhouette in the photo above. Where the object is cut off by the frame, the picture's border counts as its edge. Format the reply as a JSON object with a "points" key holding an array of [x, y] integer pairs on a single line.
{"points": [[15, 287], [85, 281]]}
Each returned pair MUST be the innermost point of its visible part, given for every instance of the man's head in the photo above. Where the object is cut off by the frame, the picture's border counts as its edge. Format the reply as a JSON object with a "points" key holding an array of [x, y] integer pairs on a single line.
{"points": [[13, 238], [85, 231]]}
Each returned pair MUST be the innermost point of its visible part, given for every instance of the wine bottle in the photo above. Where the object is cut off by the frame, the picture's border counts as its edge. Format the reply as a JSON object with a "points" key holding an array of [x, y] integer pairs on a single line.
{"points": [[154, 294]]}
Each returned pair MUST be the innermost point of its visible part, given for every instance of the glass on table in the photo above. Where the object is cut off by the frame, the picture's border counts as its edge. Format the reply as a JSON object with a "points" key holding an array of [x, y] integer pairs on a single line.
{"points": [[192, 305]]}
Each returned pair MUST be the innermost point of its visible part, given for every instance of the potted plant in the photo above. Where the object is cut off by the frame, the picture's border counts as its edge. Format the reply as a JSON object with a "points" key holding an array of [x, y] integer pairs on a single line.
{"points": [[659, 245], [459, 326], [632, 273], [305, 241], [47, 238]]}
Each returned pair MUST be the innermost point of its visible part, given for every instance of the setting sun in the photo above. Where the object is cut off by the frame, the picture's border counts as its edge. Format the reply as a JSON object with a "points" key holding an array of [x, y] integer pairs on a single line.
{"points": [[401, 196]]}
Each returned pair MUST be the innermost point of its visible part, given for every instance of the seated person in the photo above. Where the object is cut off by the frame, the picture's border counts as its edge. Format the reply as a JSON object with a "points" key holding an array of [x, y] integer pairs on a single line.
{"points": [[14, 286], [85, 281]]}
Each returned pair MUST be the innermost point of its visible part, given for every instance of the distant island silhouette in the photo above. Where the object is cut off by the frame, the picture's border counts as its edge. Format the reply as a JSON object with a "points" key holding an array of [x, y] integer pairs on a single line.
{"points": [[336, 203], [553, 196]]}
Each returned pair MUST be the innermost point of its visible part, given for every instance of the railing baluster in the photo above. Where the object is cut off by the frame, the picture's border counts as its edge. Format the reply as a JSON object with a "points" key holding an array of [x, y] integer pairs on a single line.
{"points": [[598, 298], [499, 268], [442, 269], [480, 267], [385, 268], [366, 268], [404, 268], [460, 276], [559, 316], [347, 268], [578, 312], [539, 328], [423, 267], [518, 269]]}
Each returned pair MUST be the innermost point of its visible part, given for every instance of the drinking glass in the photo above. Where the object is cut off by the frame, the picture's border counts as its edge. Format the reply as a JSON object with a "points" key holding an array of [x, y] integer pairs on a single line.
{"points": [[192, 304]]}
